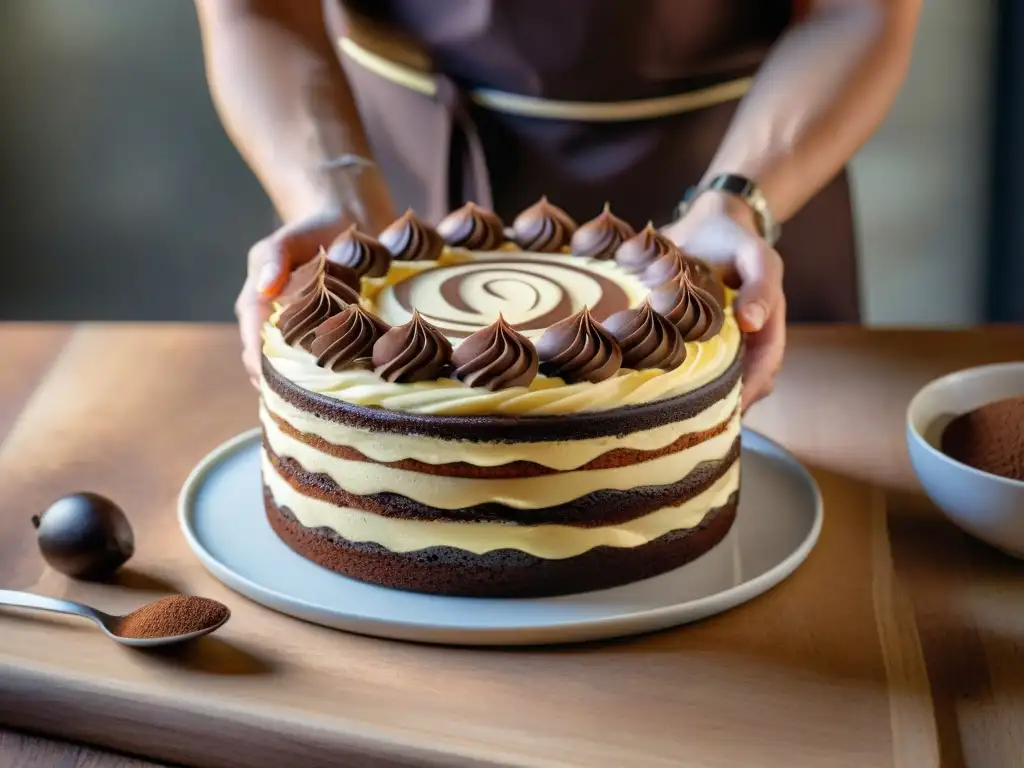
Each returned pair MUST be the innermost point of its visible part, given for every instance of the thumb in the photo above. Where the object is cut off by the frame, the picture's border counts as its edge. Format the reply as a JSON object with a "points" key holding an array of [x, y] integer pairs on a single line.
{"points": [[269, 267], [273, 259], [759, 268]]}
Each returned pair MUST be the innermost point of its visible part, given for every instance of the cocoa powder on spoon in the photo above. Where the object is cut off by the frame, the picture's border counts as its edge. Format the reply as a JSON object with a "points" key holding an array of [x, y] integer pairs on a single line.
{"points": [[171, 616]]}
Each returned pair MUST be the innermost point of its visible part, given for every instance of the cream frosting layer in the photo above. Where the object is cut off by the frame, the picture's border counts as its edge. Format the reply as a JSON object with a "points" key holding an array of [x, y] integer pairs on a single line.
{"points": [[560, 455], [705, 361], [363, 478], [547, 541]]}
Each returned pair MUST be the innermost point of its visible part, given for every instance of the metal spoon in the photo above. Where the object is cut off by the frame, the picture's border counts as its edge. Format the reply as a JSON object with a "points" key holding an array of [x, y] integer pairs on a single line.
{"points": [[107, 622]]}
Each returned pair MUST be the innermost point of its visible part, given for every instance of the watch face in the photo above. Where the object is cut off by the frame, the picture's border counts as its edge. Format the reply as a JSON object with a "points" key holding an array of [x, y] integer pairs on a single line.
{"points": [[737, 185]]}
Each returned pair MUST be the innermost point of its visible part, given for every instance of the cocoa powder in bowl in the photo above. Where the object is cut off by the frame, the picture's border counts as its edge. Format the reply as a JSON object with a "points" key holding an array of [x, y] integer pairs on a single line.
{"points": [[989, 438], [172, 616]]}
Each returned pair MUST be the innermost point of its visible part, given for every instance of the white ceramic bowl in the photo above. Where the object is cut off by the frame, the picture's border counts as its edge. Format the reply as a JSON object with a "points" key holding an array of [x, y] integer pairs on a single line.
{"points": [[986, 506]]}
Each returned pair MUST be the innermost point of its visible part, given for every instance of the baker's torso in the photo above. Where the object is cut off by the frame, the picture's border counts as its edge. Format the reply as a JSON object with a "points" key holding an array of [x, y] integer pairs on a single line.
{"points": [[583, 50], [442, 150]]}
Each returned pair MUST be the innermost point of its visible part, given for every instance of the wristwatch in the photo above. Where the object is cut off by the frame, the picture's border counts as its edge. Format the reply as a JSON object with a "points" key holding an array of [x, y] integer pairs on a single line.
{"points": [[747, 191]]}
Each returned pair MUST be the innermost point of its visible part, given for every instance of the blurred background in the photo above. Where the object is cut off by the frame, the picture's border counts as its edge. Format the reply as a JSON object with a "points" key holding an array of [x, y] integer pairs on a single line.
{"points": [[122, 198]]}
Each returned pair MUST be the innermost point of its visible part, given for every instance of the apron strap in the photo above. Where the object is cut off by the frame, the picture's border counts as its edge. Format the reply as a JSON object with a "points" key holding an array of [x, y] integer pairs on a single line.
{"points": [[551, 109], [468, 174], [473, 165]]}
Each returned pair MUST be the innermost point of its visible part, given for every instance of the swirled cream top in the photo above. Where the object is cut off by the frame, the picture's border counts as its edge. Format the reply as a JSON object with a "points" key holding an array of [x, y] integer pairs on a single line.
{"points": [[463, 292]]}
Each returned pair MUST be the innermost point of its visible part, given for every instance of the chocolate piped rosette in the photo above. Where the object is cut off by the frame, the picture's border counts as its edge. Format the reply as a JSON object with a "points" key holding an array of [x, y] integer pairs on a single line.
{"points": [[481, 410]]}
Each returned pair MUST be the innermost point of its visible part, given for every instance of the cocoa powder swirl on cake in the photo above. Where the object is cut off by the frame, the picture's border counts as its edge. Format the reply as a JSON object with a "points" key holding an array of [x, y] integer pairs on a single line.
{"points": [[644, 248], [462, 298], [578, 349], [341, 281], [600, 237], [410, 239], [416, 351], [496, 357], [473, 228], [647, 339], [543, 228], [347, 339], [299, 319], [360, 252], [690, 308]]}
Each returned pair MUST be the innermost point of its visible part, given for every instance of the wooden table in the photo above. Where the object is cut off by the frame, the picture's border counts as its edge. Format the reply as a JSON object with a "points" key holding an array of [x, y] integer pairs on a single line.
{"points": [[899, 643]]}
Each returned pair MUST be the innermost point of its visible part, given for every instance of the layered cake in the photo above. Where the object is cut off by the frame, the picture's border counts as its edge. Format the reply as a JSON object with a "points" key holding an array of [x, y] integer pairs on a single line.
{"points": [[484, 410]]}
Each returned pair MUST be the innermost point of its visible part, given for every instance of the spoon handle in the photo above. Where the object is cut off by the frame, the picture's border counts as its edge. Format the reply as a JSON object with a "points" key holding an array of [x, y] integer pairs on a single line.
{"points": [[43, 603]]}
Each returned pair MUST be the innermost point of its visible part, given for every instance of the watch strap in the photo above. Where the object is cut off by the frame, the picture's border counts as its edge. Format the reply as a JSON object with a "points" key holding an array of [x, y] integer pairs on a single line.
{"points": [[745, 189]]}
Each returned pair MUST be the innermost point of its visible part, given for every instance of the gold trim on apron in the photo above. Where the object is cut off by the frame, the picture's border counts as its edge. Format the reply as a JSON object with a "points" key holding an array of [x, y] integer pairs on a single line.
{"points": [[531, 106]]}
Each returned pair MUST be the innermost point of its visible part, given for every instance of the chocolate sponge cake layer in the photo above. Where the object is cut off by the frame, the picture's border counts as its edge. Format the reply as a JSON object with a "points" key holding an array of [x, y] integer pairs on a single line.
{"points": [[500, 573], [600, 508], [617, 457], [523, 429]]}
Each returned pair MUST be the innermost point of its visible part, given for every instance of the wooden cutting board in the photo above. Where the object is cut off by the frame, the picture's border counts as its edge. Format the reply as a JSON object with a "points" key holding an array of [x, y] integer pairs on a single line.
{"points": [[898, 643]]}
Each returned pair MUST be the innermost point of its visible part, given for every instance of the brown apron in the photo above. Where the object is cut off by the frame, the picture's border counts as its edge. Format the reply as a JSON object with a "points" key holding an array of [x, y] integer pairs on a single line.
{"points": [[439, 147]]}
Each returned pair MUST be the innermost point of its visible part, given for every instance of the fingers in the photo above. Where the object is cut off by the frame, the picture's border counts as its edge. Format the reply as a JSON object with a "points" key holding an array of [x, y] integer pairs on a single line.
{"points": [[270, 263], [252, 312], [760, 271], [749, 265], [269, 266], [267, 275], [763, 357], [272, 259]]}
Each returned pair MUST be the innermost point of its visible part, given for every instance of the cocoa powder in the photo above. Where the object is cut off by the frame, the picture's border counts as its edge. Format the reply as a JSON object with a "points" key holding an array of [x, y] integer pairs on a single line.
{"points": [[170, 616], [989, 438]]}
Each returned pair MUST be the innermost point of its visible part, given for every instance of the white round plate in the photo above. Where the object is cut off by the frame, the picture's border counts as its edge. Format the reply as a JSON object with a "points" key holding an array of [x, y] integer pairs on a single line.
{"points": [[221, 513]]}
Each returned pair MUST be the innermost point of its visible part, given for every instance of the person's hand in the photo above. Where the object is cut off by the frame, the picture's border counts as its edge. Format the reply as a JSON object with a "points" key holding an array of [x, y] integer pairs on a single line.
{"points": [[270, 263], [722, 230]]}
